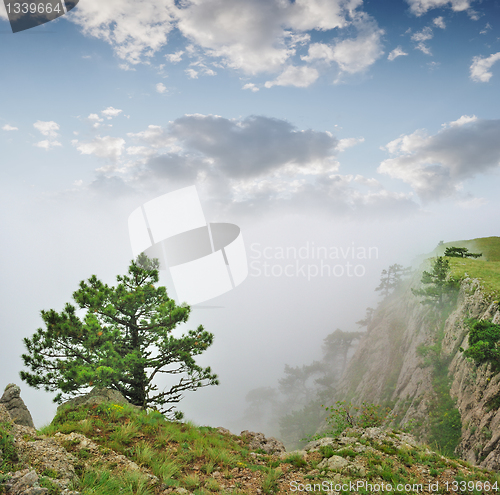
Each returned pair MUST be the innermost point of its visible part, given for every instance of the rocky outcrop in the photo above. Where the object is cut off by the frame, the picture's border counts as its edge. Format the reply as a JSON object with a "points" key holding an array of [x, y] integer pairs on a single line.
{"points": [[389, 365], [478, 399], [16, 407], [258, 441], [96, 396]]}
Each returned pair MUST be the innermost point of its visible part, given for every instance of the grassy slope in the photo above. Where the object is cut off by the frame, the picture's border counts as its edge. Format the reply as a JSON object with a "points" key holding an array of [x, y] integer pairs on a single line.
{"points": [[204, 461], [486, 268]]}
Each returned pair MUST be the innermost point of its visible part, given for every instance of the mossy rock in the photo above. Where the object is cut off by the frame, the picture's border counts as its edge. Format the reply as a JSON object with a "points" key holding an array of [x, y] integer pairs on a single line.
{"points": [[95, 396]]}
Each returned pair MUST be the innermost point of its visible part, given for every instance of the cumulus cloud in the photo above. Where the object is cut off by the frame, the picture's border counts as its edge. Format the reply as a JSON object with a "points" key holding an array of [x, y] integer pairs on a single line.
{"points": [[485, 29], [301, 77], [421, 37], [464, 119], [95, 120], [47, 144], [397, 52], [439, 22], [258, 36], [48, 128], [480, 68], [251, 87], [192, 73], [345, 143], [135, 29], [107, 147], [175, 57], [261, 35], [161, 88], [8, 127], [353, 54], [420, 7], [436, 165], [249, 164], [111, 112]]}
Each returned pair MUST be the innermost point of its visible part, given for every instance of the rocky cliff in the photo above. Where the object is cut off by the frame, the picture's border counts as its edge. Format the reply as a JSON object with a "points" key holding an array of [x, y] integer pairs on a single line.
{"points": [[410, 360]]}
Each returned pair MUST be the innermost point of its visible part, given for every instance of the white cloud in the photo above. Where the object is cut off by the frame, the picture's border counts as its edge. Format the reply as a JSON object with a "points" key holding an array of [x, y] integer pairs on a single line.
{"points": [[423, 48], [424, 35], [439, 22], [154, 136], [464, 119], [111, 112], [479, 70], [352, 55], [126, 67], [175, 57], [47, 144], [252, 164], [474, 14], [421, 37], [135, 29], [419, 7], [192, 73], [259, 36], [48, 128], [486, 29], [348, 143], [397, 52], [104, 147], [8, 127], [93, 117], [301, 77], [161, 88], [253, 36], [251, 87], [435, 166]]}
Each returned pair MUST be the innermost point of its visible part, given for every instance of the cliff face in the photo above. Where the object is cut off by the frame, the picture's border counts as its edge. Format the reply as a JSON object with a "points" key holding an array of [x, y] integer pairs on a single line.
{"points": [[396, 364]]}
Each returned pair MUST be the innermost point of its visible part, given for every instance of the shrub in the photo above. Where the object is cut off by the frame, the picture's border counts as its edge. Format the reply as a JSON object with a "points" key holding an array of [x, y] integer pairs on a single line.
{"points": [[344, 415], [484, 337]]}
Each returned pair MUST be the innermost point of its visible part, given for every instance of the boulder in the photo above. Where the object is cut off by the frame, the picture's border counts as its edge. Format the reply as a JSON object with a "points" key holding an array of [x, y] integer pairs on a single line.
{"points": [[96, 396], [15, 406], [258, 441], [5, 417], [334, 463]]}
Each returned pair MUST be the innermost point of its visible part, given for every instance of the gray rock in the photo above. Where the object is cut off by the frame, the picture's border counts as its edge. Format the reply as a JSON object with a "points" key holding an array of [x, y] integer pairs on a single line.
{"points": [[5, 417], [258, 441], [20, 485], [36, 490], [96, 396], [334, 463], [322, 442], [15, 406]]}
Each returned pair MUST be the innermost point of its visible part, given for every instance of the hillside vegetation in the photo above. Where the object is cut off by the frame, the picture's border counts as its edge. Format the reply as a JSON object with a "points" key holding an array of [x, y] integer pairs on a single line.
{"points": [[486, 269], [115, 449]]}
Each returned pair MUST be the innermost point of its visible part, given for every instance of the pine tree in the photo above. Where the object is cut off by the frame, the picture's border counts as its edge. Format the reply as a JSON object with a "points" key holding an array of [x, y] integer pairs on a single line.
{"points": [[439, 283], [123, 342], [391, 279], [456, 252]]}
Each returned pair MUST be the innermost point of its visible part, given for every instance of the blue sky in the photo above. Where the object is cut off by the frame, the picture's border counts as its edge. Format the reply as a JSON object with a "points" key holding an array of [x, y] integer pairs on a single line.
{"points": [[326, 121]]}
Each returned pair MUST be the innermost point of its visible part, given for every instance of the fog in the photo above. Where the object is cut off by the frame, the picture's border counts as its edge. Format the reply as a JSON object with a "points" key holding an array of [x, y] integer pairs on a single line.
{"points": [[314, 128], [51, 243]]}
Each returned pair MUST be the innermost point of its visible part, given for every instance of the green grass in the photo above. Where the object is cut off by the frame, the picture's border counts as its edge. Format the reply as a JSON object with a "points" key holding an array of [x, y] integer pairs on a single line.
{"points": [[164, 448], [486, 268], [488, 272]]}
